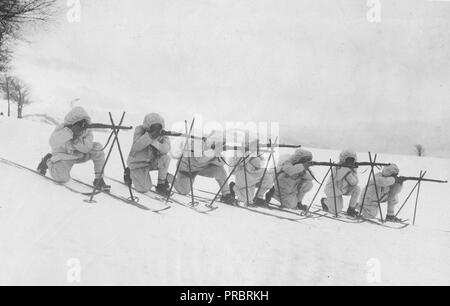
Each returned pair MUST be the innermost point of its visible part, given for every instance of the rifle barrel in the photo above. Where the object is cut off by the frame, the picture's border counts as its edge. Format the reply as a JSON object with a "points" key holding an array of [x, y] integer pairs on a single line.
{"points": [[356, 165], [175, 134], [107, 126], [370, 164], [424, 180], [239, 148], [268, 145]]}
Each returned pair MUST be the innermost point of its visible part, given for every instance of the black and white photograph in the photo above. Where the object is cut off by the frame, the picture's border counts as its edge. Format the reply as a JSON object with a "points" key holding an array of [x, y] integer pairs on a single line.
{"points": [[199, 144]]}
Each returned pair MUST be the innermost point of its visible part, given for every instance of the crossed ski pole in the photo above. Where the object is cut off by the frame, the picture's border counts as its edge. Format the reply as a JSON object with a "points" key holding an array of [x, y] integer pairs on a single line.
{"points": [[318, 190], [115, 131], [417, 195], [267, 165], [243, 158], [422, 175], [334, 191], [116, 135], [189, 165], [245, 168], [365, 190], [271, 157], [179, 162], [372, 176], [276, 175]]}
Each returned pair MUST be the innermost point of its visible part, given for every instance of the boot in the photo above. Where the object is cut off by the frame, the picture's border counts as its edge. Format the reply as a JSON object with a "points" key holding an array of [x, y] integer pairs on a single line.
{"points": [[100, 184], [300, 206], [127, 177], [352, 212], [259, 202], [324, 205], [228, 199], [232, 184], [390, 218], [170, 178], [269, 194], [42, 167], [163, 188]]}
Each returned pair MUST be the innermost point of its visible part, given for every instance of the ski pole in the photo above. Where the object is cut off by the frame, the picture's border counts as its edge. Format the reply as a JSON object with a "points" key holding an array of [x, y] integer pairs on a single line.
{"points": [[190, 169], [376, 187], [226, 180], [409, 195], [276, 177], [265, 169], [132, 197], [417, 199], [91, 199], [334, 192], [246, 182], [318, 190], [365, 190], [245, 170], [179, 162]]}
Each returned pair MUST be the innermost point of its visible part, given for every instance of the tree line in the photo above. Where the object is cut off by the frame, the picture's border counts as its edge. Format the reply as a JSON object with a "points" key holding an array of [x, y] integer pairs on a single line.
{"points": [[14, 16]]}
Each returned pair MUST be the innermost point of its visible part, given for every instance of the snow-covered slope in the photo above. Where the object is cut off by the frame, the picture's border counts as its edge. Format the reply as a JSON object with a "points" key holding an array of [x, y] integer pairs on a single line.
{"points": [[43, 226]]}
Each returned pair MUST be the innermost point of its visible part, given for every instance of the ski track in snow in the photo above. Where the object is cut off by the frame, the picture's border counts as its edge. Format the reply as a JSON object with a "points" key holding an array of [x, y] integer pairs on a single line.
{"points": [[43, 225]]}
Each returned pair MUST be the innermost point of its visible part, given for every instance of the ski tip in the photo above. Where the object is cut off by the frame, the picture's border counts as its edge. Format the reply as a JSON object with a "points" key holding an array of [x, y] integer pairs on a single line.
{"points": [[90, 201], [162, 209]]}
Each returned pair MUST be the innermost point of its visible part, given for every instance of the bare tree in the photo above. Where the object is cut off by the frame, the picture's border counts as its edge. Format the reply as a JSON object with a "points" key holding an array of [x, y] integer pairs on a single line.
{"points": [[6, 88], [420, 150], [17, 92], [14, 14]]}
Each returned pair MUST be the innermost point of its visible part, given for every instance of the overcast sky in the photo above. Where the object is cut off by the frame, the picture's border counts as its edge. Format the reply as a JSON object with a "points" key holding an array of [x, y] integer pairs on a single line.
{"points": [[297, 62]]}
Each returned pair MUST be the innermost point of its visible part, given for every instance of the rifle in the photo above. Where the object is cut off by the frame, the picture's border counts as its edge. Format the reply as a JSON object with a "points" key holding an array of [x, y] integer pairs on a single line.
{"points": [[176, 134], [268, 145], [412, 178], [242, 149], [237, 148], [355, 165], [107, 126]]}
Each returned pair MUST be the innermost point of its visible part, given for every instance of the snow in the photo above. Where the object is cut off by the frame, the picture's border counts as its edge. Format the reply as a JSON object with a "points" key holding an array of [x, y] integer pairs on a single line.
{"points": [[43, 227]]}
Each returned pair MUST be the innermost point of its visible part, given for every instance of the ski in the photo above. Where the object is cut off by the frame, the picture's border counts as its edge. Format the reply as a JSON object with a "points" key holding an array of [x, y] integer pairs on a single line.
{"points": [[197, 202], [340, 217], [387, 224], [162, 199], [197, 208], [19, 166], [344, 217], [270, 206], [125, 200], [256, 210], [151, 194]]}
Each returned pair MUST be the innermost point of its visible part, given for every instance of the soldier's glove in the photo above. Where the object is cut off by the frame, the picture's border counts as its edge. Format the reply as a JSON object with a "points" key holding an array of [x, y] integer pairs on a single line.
{"points": [[307, 164], [78, 128], [350, 162], [400, 179], [155, 131]]}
